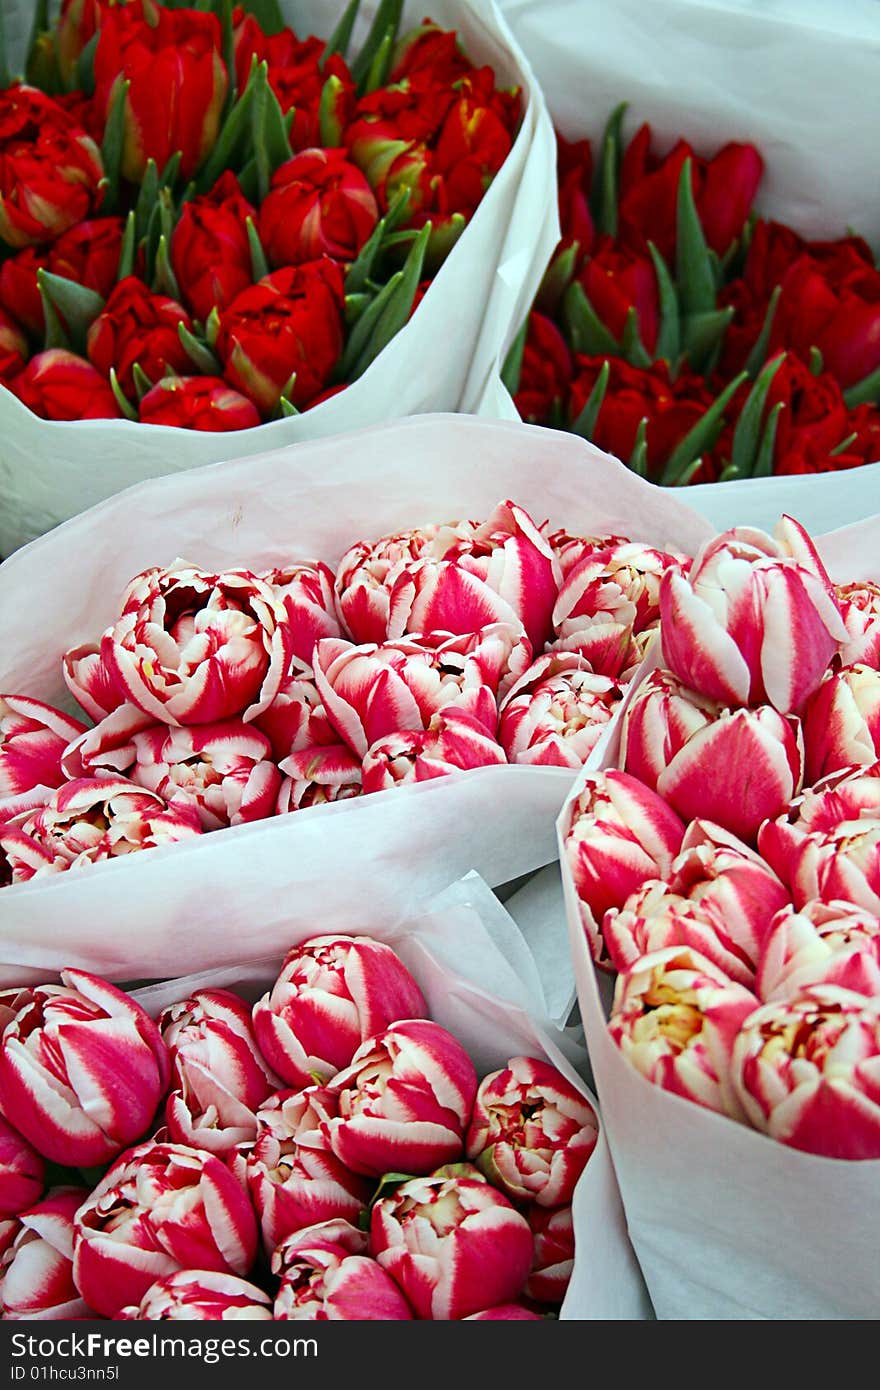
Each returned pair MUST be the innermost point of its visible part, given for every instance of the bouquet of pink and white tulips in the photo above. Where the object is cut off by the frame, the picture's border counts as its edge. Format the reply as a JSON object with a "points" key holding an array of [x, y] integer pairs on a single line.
{"points": [[722, 871], [326, 1152]]}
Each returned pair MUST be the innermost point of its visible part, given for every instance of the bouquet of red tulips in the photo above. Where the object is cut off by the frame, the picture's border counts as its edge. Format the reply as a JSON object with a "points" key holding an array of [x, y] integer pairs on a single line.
{"points": [[212, 221], [288, 1143], [722, 871]]}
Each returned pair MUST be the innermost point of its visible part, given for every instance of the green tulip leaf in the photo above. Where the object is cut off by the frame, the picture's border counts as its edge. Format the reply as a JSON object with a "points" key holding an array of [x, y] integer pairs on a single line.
{"points": [[758, 355], [198, 352], [341, 37], [702, 436], [585, 423], [864, 392], [587, 333], [749, 427], [669, 333], [694, 270], [763, 466], [387, 17], [512, 369]]}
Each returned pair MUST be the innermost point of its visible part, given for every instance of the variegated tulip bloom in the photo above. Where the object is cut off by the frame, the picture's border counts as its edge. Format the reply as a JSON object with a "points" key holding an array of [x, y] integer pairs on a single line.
{"points": [[608, 599], [22, 1171], [675, 1017], [860, 608], [719, 898], [828, 845], [620, 834], [531, 1132], [36, 1270], [555, 713], [755, 621], [452, 1243], [160, 1208], [454, 741], [553, 1260], [405, 1101], [224, 770], [92, 684], [292, 1175], [734, 766], [373, 692], [195, 647], [571, 550], [806, 1072], [332, 994], [296, 719], [317, 775], [505, 1312], [82, 1069], [91, 819], [841, 722], [327, 1275], [33, 736], [833, 943], [200, 1295], [455, 578], [219, 1079], [307, 592]]}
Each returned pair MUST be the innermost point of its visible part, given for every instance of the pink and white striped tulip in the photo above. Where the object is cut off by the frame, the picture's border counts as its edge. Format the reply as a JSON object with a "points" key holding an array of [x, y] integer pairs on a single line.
{"points": [[295, 719], [225, 770], [674, 1017], [22, 1172], [607, 599], [82, 1069], [200, 1295], [555, 713], [160, 1208], [91, 819], [36, 1271], [194, 647], [405, 1101], [620, 835], [828, 847], [841, 722], [33, 737], [833, 943], [452, 1243], [316, 775], [531, 1132], [860, 607], [755, 620], [506, 1312], [806, 1072], [454, 741], [366, 573], [89, 680], [306, 590], [571, 550], [371, 692], [219, 1079], [733, 766], [719, 898], [293, 1177], [500, 571], [553, 1259], [332, 994], [327, 1276]]}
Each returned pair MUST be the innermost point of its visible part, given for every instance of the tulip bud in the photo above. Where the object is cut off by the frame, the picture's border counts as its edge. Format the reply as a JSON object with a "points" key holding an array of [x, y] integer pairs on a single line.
{"points": [[200, 1295], [36, 1271], [405, 1101], [454, 741], [306, 590], [824, 943], [531, 1132], [197, 403], [805, 1072], [620, 835], [22, 1172], [52, 169], [675, 1016], [841, 722], [317, 775], [160, 1208], [452, 1243], [553, 1260], [556, 712], [319, 204], [33, 737], [332, 994], [860, 608], [327, 1276], [218, 1077], [59, 385], [755, 621], [82, 1069], [210, 252], [293, 1177]]}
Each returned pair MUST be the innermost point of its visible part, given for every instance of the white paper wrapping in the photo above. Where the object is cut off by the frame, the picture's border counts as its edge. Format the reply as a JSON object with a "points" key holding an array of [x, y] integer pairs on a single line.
{"points": [[725, 1222], [795, 77], [460, 948], [441, 360], [367, 859]]}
